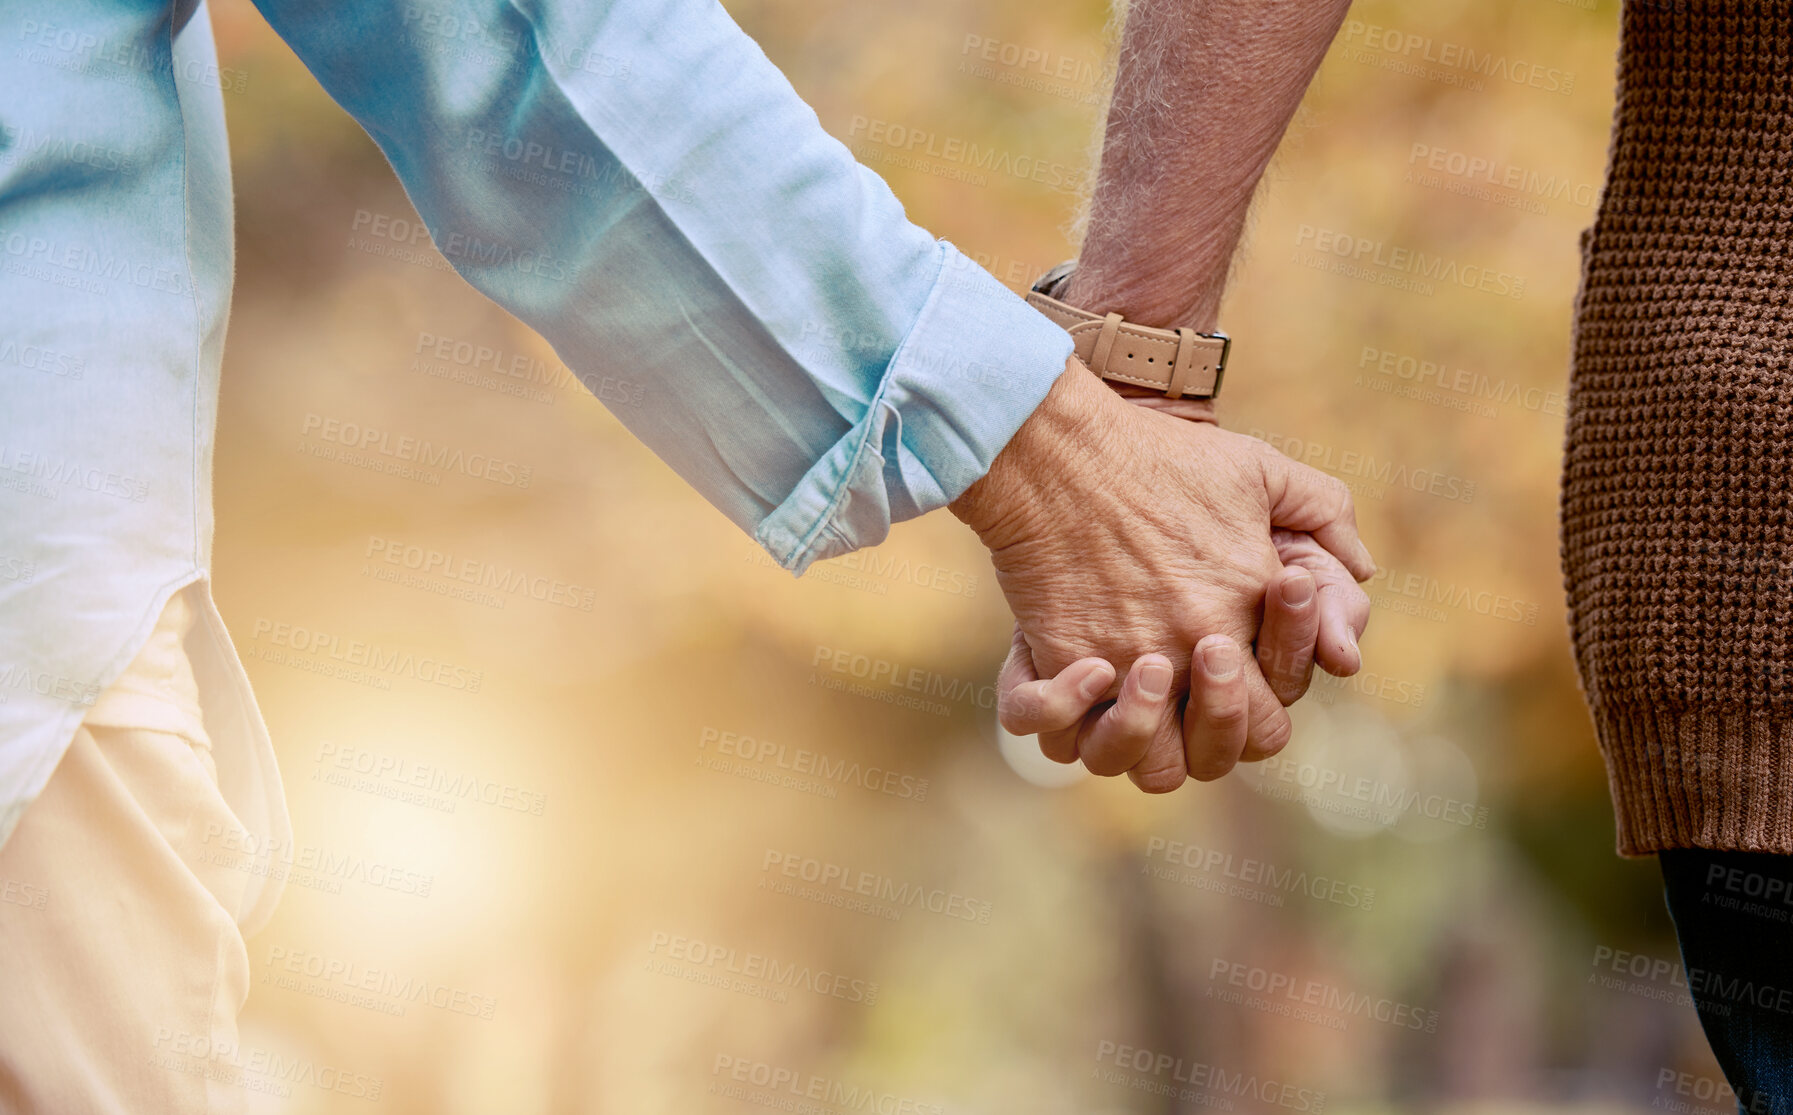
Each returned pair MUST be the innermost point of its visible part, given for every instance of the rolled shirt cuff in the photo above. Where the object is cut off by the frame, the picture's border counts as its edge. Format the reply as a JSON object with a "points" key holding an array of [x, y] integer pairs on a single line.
{"points": [[974, 366]]}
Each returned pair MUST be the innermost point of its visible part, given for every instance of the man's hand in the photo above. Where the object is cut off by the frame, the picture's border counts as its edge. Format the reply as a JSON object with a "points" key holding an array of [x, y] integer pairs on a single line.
{"points": [[1177, 542], [1293, 638], [1314, 614], [1118, 532]]}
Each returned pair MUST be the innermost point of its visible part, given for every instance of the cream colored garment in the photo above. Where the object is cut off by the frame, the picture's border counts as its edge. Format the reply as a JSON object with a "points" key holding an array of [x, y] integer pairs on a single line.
{"points": [[122, 967]]}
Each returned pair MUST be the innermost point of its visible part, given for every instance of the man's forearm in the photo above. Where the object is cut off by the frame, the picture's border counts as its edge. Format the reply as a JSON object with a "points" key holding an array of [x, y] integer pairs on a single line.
{"points": [[1204, 92]]}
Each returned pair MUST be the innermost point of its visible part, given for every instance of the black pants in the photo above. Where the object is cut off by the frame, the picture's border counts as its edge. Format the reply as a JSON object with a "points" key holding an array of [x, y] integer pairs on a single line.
{"points": [[1733, 912]]}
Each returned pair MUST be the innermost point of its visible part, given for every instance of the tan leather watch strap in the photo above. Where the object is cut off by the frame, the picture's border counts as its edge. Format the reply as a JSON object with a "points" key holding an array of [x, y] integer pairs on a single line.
{"points": [[1178, 362]]}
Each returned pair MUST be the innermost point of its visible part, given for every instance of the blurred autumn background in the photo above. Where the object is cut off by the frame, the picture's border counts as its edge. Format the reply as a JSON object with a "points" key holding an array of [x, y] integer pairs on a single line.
{"points": [[700, 837]]}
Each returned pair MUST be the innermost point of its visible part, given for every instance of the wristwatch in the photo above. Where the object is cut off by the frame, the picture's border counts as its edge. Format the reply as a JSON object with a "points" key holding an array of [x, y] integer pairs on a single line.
{"points": [[1179, 362]]}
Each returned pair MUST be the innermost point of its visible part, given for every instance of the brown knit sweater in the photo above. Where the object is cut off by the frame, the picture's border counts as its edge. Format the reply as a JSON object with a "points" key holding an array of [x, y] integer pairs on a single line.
{"points": [[1677, 536]]}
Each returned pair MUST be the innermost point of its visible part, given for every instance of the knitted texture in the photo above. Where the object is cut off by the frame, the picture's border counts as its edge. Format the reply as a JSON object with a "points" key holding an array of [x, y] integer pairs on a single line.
{"points": [[1677, 542]]}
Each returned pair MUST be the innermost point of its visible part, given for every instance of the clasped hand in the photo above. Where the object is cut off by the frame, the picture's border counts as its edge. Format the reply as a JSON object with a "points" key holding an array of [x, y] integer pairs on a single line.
{"points": [[1142, 554]]}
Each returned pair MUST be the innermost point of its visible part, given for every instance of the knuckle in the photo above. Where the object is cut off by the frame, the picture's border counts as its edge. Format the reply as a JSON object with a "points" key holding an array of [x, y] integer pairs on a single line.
{"points": [[1285, 658], [1060, 747], [1226, 714], [1016, 672], [1137, 720], [1211, 767], [1350, 597], [1272, 734], [1289, 690], [1160, 779], [1110, 757], [1020, 711]]}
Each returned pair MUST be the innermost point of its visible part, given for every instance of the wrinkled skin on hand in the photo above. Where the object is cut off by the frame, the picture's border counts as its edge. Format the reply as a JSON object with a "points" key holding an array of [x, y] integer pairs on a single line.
{"points": [[1121, 531]]}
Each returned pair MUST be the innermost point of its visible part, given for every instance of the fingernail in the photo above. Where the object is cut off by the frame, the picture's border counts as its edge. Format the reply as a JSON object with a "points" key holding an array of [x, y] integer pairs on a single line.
{"points": [[1221, 659], [1298, 590], [1154, 681], [1093, 683]]}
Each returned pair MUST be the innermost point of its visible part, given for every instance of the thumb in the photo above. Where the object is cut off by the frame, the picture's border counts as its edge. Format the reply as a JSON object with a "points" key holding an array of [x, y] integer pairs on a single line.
{"points": [[1052, 709], [1306, 499]]}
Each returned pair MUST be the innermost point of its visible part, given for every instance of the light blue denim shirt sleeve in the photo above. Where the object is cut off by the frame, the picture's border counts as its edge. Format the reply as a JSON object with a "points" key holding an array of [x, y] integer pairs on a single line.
{"points": [[636, 181]]}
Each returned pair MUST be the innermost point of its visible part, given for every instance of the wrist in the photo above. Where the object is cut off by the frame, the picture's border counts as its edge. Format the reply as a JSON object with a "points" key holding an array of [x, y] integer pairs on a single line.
{"points": [[1143, 294], [1122, 347], [1189, 410], [1031, 472]]}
